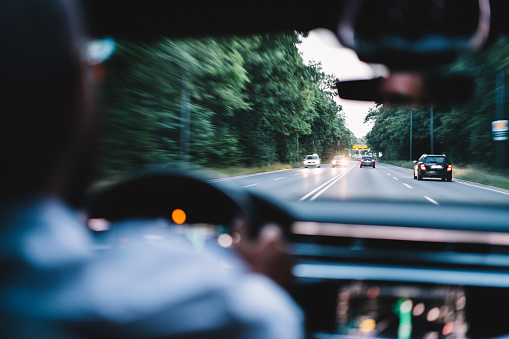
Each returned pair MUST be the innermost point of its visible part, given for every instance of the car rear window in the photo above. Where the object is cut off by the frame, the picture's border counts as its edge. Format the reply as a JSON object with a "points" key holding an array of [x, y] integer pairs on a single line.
{"points": [[438, 160], [312, 157], [337, 157]]}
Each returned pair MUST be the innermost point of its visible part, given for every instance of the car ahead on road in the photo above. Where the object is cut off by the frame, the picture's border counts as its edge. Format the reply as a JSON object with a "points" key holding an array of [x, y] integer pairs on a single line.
{"points": [[339, 161], [367, 161], [312, 160], [433, 166]]}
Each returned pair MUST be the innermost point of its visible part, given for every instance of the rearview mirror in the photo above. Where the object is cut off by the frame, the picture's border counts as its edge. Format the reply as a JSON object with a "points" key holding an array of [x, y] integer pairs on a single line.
{"points": [[408, 34], [409, 88]]}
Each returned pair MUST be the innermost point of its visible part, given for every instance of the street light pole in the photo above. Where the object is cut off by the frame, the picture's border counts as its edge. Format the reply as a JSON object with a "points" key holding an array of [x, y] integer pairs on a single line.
{"points": [[499, 145], [431, 126], [184, 120], [411, 118]]}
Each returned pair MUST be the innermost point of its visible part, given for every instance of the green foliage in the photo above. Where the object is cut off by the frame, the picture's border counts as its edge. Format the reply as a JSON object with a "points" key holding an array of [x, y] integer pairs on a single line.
{"points": [[251, 100], [463, 132]]}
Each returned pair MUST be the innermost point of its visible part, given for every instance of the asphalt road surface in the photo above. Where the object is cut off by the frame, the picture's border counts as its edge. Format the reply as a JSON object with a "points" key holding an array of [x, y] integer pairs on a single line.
{"points": [[385, 182]]}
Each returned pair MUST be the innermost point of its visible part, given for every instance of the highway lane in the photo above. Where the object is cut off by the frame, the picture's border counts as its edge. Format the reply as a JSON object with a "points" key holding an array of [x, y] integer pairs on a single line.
{"points": [[292, 184], [385, 182]]}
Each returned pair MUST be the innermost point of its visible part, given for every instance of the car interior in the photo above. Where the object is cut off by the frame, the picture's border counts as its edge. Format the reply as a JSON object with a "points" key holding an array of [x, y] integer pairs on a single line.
{"points": [[362, 268]]}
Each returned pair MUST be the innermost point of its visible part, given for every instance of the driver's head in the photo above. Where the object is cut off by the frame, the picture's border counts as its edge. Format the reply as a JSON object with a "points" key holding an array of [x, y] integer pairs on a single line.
{"points": [[45, 118]]}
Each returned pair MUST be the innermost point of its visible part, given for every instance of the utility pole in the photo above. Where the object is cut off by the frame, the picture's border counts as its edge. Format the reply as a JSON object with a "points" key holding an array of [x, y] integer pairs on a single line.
{"points": [[411, 113], [431, 127], [184, 120], [499, 145], [297, 147]]}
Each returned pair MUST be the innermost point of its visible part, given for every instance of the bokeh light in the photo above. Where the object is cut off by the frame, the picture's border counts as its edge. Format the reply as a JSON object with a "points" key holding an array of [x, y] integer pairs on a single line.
{"points": [[178, 216]]}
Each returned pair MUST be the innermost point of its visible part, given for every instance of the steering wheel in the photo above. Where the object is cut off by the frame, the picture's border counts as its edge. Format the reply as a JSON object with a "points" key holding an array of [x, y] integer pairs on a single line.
{"points": [[158, 194]]}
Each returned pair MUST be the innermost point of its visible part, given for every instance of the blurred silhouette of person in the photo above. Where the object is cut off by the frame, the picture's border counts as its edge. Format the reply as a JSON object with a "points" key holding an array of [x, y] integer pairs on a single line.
{"points": [[53, 284]]}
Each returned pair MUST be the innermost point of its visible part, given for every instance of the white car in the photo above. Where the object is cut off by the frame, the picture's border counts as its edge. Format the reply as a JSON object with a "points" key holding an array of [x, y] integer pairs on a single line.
{"points": [[312, 160]]}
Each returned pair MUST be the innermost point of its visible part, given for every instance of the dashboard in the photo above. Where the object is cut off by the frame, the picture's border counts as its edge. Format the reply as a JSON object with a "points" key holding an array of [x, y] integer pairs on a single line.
{"points": [[361, 269], [418, 272]]}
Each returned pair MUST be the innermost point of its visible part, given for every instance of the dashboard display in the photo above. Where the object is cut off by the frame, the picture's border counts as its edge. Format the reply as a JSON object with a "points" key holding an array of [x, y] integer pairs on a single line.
{"points": [[403, 311]]}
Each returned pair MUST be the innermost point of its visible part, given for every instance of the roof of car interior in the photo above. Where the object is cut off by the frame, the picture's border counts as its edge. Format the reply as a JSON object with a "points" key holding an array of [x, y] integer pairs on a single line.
{"points": [[152, 18], [141, 19]]}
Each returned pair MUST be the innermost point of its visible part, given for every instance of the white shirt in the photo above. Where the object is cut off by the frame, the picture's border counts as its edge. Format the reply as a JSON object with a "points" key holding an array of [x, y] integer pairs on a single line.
{"points": [[55, 285]]}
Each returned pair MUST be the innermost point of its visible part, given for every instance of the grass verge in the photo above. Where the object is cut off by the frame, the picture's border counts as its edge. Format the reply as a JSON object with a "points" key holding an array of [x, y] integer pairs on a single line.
{"points": [[470, 173], [244, 170]]}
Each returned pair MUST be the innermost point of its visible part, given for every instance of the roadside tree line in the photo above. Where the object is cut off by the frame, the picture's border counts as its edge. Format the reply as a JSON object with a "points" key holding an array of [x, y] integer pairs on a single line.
{"points": [[250, 101], [462, 132]]}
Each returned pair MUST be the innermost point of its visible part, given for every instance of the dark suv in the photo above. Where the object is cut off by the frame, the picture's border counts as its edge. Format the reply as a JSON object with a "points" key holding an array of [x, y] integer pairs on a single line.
{"points": [[433, 166], [367, 161]]}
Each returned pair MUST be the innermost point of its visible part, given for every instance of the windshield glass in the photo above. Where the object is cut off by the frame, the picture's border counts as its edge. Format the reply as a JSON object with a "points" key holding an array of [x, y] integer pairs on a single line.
{"points": [[244, 105]]}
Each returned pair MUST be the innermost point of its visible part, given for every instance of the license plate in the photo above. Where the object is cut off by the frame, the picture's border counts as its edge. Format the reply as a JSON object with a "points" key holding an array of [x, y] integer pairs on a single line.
{"points": [[436, 167]]}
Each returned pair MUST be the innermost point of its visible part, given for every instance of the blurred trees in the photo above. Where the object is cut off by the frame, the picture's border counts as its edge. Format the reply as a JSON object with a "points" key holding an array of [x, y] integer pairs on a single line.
{"points": [[463, 132], [252, 100]]}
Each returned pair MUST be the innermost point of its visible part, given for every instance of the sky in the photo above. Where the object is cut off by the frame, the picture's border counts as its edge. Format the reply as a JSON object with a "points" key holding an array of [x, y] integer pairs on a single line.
{"points": [[322, 46]]}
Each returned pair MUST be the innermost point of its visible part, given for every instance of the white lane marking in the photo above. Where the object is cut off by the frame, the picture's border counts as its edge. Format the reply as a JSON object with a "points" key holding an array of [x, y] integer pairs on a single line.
{"points": [[297, 173], [408, 186], [279, 178], [328, 186], [395, 178], [388, 174], [248, 175], [484, 188], [249, 185], [322, 185], [431, 200]]}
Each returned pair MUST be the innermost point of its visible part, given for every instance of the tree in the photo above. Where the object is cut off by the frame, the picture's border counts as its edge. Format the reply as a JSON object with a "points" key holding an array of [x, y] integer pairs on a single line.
{"points": [[250, 99]]}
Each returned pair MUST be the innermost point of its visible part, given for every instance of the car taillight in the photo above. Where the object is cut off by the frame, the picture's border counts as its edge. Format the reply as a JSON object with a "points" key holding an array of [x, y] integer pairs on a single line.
{"points": [[362, 160], [372, 160], [423, 167], [449, 168]]}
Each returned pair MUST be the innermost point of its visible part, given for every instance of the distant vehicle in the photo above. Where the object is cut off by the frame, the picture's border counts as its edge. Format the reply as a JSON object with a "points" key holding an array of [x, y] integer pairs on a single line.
{"points": [[312, 160], [338, 161], [433, 166], [367, 161]]}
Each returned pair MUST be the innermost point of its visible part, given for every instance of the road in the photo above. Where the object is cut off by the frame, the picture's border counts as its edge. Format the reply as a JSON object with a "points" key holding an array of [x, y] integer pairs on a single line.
{"points": [[380, 183]]}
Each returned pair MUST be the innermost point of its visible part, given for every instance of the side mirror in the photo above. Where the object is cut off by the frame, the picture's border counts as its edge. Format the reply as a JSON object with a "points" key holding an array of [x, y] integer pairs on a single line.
{"points": [[415, 161]]}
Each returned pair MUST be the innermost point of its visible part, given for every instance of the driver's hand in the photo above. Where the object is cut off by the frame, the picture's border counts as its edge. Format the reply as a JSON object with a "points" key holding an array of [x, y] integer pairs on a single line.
{"points": [[268, 254]]}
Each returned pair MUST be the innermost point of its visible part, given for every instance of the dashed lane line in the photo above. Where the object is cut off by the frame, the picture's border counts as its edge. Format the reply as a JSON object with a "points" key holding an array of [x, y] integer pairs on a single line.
{"points": [[249, 185], [431, 200]]}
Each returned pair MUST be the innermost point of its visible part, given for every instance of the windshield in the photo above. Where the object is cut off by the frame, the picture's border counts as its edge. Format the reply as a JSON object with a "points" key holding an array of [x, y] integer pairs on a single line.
{"points": [[239, 106]]}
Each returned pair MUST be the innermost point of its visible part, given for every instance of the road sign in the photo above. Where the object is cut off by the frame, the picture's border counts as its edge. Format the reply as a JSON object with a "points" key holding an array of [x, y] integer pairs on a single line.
{"points": [[360, 148], [499, 129]]}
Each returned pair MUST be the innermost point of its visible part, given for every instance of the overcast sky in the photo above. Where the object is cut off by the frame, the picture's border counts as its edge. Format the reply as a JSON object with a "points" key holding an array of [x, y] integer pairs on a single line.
{"points": [[343, 63]]}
